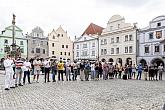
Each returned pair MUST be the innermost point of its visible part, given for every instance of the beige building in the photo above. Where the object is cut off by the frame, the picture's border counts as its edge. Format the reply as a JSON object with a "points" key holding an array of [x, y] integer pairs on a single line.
{"points": [[60, 44], [118, 41]]}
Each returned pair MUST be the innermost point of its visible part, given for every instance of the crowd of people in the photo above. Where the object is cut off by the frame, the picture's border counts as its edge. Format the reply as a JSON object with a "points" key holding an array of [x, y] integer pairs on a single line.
{"points": [[17, 70]]}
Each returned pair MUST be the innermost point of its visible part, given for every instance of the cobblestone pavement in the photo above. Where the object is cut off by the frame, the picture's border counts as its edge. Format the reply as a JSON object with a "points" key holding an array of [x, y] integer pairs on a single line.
{"points": [[116, 94]]}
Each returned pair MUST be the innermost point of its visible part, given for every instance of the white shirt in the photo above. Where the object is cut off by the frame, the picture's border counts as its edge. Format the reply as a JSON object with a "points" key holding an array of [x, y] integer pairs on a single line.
{"points": [[46, 64], [92, 67], [27, 66]]}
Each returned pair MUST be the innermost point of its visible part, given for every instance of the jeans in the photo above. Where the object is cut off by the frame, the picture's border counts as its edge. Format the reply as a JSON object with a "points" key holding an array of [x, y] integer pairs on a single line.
{"points": [[74, 74], [68, 75], [18, 76], [93, 74], [54, 72], [139, 75], [60, 73], [47, 70], [26, 73]]}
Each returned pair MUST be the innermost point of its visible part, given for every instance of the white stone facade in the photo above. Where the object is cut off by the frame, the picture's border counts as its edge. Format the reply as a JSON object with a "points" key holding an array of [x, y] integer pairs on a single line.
{"points": [[151, 42], [86, 47], [117, 42], [60, 44]]}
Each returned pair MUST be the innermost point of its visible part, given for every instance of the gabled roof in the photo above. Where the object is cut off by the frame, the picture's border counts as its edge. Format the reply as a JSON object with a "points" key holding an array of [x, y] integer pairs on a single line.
{"points": [[93, 29]]}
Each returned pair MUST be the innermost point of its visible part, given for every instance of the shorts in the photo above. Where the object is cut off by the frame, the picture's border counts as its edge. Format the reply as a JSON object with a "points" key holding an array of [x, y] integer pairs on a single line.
{"points": [[36, 72], [18, 71]]}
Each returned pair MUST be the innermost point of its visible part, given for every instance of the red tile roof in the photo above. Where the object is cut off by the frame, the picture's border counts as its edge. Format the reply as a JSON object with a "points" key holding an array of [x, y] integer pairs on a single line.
{"points": [[93, 29]]}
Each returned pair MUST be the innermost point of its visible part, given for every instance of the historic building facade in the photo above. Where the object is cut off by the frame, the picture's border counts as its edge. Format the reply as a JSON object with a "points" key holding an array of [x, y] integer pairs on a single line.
{"points": [[152, 43], [6, 41], [118, 41], [60, 44], [86, 46], [37, 44]]}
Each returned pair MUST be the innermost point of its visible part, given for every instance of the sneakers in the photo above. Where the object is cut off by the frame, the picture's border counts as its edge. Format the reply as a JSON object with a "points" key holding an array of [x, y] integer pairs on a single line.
{"points": [[16, 85], [20, 84], [7, 89]]}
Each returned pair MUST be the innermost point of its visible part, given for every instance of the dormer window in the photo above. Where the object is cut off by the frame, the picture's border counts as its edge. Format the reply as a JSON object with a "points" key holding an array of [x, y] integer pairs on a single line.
{"points": [[118, 26], [61, 35], [53, 37], [58, 35], [85, 38], [158, 24]]}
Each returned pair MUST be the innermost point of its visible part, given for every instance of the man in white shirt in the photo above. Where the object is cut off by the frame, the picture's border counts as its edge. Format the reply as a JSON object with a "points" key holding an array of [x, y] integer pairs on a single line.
{"points": [[27, 66], [47, 69], [37, 68], [8, 63]]}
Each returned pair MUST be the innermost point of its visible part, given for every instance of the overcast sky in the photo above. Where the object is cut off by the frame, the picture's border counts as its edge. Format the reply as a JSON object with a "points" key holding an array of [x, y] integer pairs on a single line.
{"points": [[75, 15]]}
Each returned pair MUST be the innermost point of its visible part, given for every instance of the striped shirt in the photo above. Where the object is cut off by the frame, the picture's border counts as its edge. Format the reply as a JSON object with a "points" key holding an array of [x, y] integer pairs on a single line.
{"points": [[19, 64]]}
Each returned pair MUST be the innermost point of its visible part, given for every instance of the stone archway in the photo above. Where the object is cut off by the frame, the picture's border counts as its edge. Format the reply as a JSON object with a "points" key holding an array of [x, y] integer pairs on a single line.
{"points": [[119, 61], [143, 62], [111, 60], [103, 60], [129, 61], [158, 61]]}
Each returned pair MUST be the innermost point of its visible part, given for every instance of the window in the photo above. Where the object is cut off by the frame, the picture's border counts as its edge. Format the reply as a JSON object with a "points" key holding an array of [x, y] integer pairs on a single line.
{"points": [[53, 37], [105, 51], [6, 41], [146, 49], [117, 50], [126, 49], [158, 34], [112, 50], [159, 24], [52, 52], [37, 35], [93, 44], [68, 53], [22, 50], [157, 48], [42, 43], [62, 46], [118, 26], [84, 53], [61, 35], [47, 43], [43, 51], [126, 38], [130, 49], [34, 41], [105, 41], [77, 46], [52, 44], [164, 48], [117, 39], [102, 42], [111, 27], [60, 53], [65, 53], [130, 38], [77, 55], [66, 46], [112, 40], [93, 53], [102, 51], [37, 50], [58, 35], [32, 50], [85, 38], [151, 35], [84, 45]]}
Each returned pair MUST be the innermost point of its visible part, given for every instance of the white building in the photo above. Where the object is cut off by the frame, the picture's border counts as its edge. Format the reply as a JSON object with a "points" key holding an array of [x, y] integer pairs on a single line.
{"points": [[118, 41], [60, 44], [86, 46], [151, 42]]}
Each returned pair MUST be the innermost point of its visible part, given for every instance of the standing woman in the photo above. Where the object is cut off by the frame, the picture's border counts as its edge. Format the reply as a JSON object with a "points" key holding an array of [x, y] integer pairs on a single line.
{"points": [[96, 71], [92, 71], [145, 71], [156, 72], [54, 70], [105, 70], [100, 71], [133, 71], [160, 70], [120, 68], [82, 66]]}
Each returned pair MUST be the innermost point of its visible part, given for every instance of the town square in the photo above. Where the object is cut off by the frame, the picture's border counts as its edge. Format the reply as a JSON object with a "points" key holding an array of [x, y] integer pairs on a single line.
{"points": [[82, 55]]}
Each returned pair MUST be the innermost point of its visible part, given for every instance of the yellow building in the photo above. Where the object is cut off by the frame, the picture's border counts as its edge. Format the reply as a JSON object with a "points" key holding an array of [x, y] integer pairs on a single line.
{"points": [[60, 44]]}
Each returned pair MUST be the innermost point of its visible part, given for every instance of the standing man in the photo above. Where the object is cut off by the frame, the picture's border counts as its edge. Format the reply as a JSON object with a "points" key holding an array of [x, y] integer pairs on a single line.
{"points": [[145, 71], [27, 67], [75, 70], [60, 68], [140, 68], [160, 70], [47, 69], [19, 64], [54, 70], [87, 70], [82, 66], [37, 63], [68, 70], [8, 64]]}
